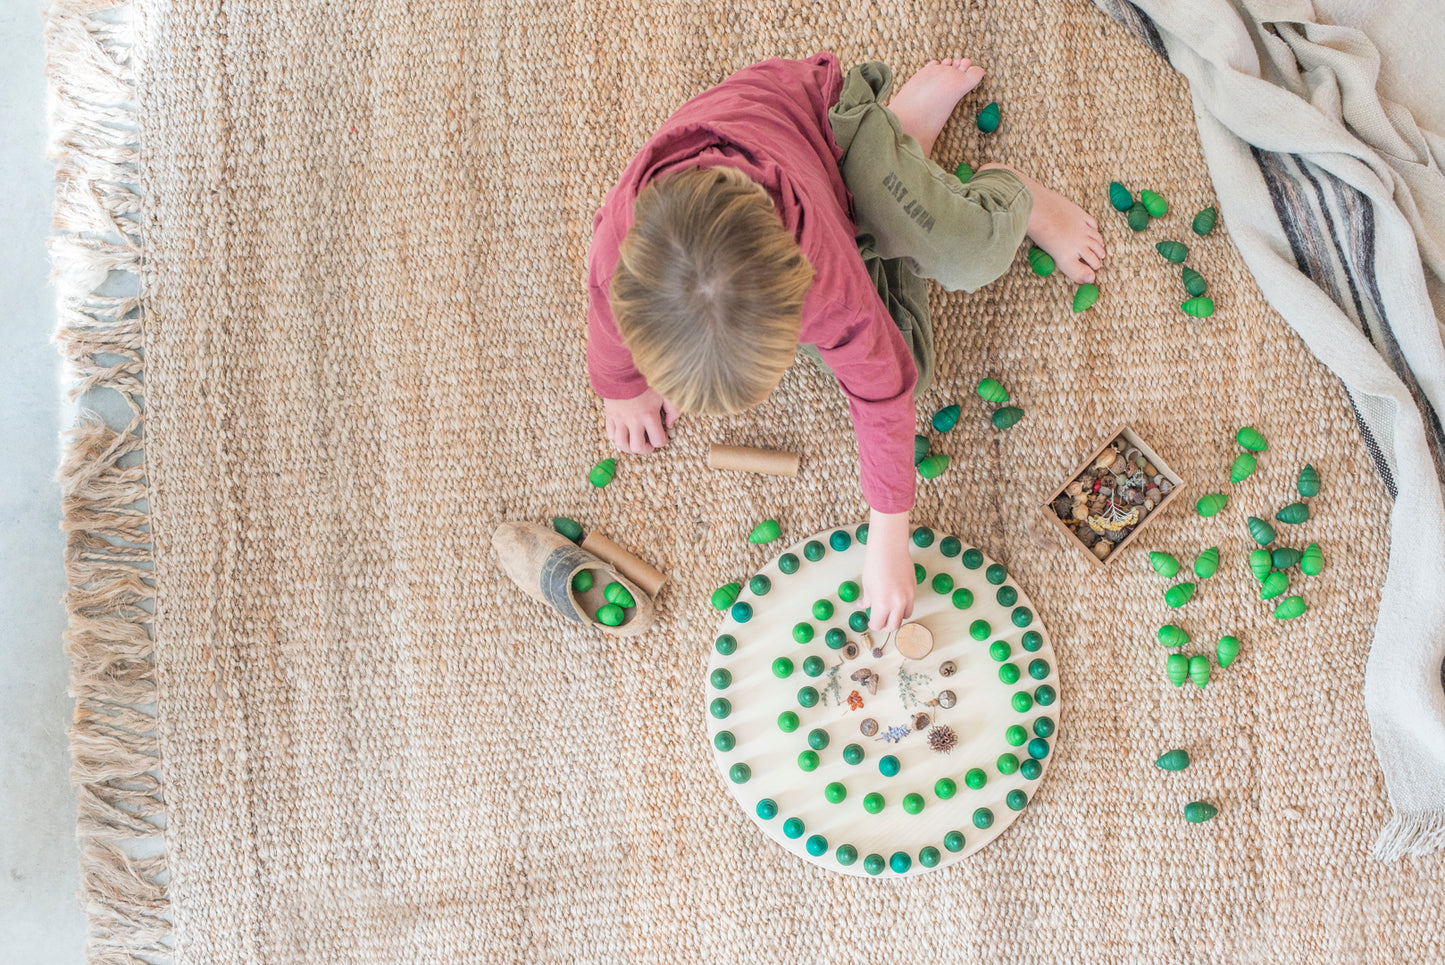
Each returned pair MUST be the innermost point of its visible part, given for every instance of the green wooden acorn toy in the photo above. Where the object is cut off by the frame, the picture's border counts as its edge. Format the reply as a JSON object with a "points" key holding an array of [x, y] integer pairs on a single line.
{"points": [[1204, 221], [1260, 531], [1284, 557], [1041, 262], [569, 528], [1194, 282], [1293, 513], [1197, 812], [1227, 649], [1243, 467], [1308, 482], [1274, 584], [932, 466], [1153, 203], [1172, 636], [1199, 671], [602, 473], [946, 418], [1007, 416], [1120, 197], [582, 582], [1085, 296], [1177, 667], [765, 532], [1175, 760], [963, 172], [1210, 504], [1312, 563], [1252, 439], [611, 615], [1198, 307], [1206, 564], [1291, 607], [920, 448], [1175, 251], [1138, 216], [988, 118], [991, 390], [724, 596], [618, 594], [1259, 563], [1179, 595], [1164, 564]]}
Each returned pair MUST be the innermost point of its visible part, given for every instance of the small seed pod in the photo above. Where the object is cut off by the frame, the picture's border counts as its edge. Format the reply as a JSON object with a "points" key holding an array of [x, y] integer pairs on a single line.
{"points": [[618, 594], [1199, 671], [1177, 667], [765, 532], [569, 528], [1138, 216], [1200, 306], [868, 727], [1262, 532], [1085, 296], [1259, 564], [1179, 595], [1204, 221], [1244, 466], [1197, 812], [1211, 504], [988, 118], [1250, 438], [1226, 650], [602, 473], [947, 699], [932, 466], [1194, 282], [947, 669], [1312, 563], [1041, 262], [1164, 564], [920, 448], [1293, 513], [723, 596], [945, 418], [1120, 197], [1206, 564], [1290, 607], [1284, 557], [920, 721], [1174, 251], [1006, 416], [850, 651], [1274, 584], [1172, 636], [1175, 760], [1154, 203], [1308, 482], [963, 172], [991, 390]]}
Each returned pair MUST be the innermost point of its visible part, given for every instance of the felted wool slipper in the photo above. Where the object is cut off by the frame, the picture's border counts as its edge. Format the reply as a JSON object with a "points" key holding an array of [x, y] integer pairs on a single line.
{"points": [[543, 562]]}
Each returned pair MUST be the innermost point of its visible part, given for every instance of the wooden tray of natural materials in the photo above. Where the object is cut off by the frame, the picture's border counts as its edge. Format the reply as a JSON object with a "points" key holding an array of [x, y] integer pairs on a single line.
{"points": [[1132, 438]]}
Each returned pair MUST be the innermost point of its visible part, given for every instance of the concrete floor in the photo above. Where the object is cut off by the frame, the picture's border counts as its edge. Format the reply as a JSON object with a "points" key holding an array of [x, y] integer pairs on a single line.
{"points": [[41, 921]]}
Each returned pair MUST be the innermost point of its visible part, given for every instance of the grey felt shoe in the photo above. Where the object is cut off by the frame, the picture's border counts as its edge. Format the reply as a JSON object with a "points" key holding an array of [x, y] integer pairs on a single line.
{"points": [[542, 562]]}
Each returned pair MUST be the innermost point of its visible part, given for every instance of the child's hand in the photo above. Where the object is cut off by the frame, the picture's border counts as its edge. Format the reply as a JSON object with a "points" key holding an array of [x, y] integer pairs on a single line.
{"points": [[888, 581], [639, 425]]}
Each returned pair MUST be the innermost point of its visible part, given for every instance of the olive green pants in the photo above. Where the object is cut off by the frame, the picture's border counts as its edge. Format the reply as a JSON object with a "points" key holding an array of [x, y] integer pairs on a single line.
{"points": [[915, 220]]}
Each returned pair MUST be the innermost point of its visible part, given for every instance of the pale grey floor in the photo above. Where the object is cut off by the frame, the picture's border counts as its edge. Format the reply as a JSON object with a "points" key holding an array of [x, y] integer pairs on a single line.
{"points": [[40, 915]]}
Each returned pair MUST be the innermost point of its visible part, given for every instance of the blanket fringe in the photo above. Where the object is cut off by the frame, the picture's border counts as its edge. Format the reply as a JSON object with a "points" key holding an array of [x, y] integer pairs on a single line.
{"points": [[1415, 835], [95, 249]]}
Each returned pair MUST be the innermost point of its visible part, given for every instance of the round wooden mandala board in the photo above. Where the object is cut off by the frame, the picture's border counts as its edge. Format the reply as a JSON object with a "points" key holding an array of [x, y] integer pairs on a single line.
{"points": [[785, 732]]}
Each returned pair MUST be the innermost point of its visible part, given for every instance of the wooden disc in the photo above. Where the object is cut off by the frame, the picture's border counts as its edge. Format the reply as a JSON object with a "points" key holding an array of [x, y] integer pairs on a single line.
{"points": [[914, 641]]}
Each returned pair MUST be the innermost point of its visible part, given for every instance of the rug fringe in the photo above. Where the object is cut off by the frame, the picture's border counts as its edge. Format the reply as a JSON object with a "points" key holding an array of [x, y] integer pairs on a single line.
{"points": [[1414, 835], [95, 249]]}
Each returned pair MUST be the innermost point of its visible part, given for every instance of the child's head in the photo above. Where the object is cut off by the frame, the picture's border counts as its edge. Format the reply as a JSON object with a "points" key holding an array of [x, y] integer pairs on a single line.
{"points": [[708, 291]]}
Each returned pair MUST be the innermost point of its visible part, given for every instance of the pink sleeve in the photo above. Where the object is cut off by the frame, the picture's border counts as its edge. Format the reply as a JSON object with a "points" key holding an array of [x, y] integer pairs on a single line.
{"points": [[609, 362], [877, 374]]}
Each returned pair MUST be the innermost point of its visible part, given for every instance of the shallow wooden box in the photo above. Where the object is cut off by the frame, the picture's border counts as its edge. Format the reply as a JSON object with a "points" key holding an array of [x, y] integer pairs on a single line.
{"points": [[1133, 439]]}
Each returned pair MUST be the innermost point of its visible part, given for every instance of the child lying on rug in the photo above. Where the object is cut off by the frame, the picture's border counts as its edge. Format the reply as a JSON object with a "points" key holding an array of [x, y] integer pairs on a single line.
{"points": [[787, 208]]}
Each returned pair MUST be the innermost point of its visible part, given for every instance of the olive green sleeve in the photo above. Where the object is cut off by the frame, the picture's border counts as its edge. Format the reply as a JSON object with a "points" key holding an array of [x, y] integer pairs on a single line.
{"points": [[961, 235]]}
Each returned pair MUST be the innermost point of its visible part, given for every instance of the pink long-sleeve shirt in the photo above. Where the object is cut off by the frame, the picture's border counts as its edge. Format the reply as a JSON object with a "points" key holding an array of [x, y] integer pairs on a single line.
{"points": [[770, 121]]}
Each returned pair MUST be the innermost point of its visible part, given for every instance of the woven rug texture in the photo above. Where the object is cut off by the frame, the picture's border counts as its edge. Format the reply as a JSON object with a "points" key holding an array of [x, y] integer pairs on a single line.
{"points": [[363, 317]]}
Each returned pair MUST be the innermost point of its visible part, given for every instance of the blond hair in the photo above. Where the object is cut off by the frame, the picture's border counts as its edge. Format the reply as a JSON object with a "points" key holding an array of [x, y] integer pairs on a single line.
{"points": [[708, 290]]}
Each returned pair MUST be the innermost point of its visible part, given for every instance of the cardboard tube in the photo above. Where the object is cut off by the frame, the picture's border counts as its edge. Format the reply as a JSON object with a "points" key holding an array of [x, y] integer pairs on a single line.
{"points": [[744, 459], [637, 570]]}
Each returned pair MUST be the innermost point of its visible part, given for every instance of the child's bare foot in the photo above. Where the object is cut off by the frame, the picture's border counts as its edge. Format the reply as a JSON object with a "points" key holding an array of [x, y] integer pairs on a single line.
{"points": [[1063, 229], [924, 103]]}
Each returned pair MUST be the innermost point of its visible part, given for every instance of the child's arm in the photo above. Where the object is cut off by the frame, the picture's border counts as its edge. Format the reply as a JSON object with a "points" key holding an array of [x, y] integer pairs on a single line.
{"points": [[888, 582]]}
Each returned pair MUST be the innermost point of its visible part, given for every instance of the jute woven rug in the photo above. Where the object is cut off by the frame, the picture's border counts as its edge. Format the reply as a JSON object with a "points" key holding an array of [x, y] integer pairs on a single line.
{"points": [[361, 231]]}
